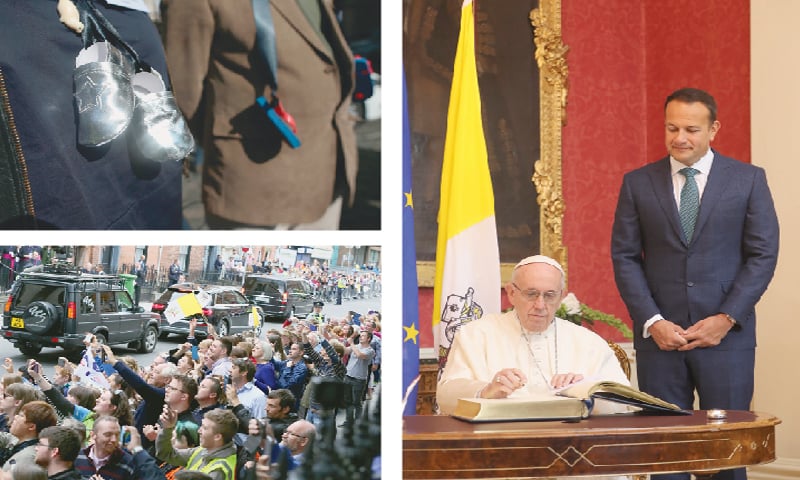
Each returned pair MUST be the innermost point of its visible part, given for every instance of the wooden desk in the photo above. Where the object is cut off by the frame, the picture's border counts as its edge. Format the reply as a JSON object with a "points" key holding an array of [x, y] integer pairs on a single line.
{"points": [[444, 447]]}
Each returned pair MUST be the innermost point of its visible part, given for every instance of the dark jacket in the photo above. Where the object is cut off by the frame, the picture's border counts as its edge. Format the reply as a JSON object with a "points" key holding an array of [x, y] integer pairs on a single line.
{"points": [[149, 410], [119, 467], [71, 474], [47, 180]]}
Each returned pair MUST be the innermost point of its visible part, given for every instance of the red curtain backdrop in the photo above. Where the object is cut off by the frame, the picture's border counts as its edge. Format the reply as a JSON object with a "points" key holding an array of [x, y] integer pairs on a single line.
{"points": [[624, 59]]}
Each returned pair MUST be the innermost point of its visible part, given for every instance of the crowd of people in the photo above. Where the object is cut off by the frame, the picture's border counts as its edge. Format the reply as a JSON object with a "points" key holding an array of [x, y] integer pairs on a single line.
{"points": [[218, 407]]}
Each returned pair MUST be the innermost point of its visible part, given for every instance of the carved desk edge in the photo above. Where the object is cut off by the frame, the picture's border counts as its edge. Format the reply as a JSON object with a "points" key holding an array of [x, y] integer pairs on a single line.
{"points": [[444, 447]]}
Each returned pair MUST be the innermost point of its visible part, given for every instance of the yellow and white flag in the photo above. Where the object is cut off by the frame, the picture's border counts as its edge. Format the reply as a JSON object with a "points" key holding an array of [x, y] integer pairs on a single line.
{"points": [[181, 306], [254, 319], [467, 259]]}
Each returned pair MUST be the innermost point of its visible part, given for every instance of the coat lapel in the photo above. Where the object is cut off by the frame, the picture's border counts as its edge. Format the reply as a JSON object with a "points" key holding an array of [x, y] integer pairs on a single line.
{"points": [[661, 179], [717, 179], [297, 19]]}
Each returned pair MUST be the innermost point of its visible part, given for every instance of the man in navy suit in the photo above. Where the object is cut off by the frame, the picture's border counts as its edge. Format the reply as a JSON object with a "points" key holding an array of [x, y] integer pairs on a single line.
{"points": [[691, 285]]}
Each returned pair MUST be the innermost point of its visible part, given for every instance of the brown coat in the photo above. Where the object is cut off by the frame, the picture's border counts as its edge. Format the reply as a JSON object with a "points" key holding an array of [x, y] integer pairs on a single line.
{"points": [[249, 174]]}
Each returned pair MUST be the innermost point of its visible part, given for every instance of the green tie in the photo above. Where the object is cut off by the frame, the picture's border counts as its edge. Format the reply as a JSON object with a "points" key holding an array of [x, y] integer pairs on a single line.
{"points": [[690, 202]]}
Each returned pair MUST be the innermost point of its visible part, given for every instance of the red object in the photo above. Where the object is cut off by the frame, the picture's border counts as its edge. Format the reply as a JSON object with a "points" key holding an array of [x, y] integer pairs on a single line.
{"points": [[287, 117]]}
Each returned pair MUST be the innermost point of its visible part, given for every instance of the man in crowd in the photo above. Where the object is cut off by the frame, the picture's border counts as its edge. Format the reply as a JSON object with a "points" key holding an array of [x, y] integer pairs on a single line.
{"points": [[244, 391], [293, 373], [361, 356], [56, 451], [218, 352], [210, 395], [175, 272], [140, 270], [299, 438], [316, 315], [104, 457], [152, 393], [180, 394], [527, 349], [279, 410], [31, 419], [216, 455], [328, 364]]}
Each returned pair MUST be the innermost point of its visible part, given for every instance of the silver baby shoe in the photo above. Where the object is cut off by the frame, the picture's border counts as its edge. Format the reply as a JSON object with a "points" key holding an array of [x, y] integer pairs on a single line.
{"points": [[158, 131], [103, 93]]}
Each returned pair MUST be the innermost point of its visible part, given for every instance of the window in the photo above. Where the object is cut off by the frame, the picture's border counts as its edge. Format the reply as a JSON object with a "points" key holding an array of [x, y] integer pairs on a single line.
{"points": [[124, 302], [108, 303], [88, 303]]}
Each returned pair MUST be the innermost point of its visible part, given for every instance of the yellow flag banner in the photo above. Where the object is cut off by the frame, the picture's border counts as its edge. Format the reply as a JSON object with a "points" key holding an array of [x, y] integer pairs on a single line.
{"points": [[254, 319], [467, 282], [181, 307]]}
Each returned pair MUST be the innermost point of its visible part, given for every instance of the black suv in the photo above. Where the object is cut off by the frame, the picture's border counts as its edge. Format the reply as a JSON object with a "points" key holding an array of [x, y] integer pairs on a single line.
{"points": [[280, 296], [58, 306], [223, 306]]}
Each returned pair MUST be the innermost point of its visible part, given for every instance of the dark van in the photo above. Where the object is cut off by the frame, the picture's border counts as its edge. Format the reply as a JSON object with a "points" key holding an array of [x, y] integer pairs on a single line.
{"points": [[280, 296]]}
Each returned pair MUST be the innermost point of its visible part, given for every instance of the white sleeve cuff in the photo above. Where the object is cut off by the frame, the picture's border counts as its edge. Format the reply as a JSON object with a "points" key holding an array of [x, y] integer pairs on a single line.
{"points": [[649, 323]]}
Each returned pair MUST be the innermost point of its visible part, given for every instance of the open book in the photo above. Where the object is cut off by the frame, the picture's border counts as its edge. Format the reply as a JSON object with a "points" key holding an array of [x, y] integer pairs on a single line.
{"points": [[619, 393], [571, 403]]}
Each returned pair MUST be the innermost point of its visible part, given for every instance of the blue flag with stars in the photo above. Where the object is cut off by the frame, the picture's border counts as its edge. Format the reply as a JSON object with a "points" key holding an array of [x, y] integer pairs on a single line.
{"points": [[410, 290]]}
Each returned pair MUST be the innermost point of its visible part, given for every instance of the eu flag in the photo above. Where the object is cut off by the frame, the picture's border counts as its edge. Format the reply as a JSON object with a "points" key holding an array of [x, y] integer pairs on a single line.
{"points": [[410, 290]]}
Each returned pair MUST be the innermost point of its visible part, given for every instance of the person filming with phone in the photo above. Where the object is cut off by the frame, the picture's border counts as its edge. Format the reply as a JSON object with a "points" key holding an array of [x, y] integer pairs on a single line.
{"points": [[216, 455]]}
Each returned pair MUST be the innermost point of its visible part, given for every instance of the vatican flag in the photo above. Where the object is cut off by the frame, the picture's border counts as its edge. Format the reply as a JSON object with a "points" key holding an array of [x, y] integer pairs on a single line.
{"points": [[467, 259]]}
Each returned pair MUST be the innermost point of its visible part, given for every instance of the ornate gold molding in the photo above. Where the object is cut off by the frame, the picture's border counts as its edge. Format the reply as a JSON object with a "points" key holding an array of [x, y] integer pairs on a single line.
{"points": [[551, 58]]}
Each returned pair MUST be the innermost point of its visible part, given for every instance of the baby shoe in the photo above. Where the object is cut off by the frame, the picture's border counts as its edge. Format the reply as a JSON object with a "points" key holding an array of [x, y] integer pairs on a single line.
{"points": [[158, 130], [103, 93]]}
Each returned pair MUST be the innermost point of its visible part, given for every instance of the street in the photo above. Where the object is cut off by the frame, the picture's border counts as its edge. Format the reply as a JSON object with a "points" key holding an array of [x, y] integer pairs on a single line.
{"points": [[49, 356]]}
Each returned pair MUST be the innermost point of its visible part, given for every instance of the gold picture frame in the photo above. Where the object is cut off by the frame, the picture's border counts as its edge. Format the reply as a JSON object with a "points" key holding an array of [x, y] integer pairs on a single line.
{"points": [[553, 75]]}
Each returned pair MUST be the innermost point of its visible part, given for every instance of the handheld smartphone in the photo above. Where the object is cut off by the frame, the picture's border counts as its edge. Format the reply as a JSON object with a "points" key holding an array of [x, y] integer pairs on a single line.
{"points": [[35, 366], [124, 437], [88, 338], [62, 362], [195, 353], [102, 355]]}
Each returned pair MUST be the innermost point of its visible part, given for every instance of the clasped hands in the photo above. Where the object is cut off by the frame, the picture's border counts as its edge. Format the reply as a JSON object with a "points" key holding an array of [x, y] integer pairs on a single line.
{"points": [[708, 332], [509, 380]]}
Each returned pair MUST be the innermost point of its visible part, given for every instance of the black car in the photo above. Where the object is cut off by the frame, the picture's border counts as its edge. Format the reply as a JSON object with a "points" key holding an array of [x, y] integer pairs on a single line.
{"points": [[280, 296], [58, 305], [223, 306]]}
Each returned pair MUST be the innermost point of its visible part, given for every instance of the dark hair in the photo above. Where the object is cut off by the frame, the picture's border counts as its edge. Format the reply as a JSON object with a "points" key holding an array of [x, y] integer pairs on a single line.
{"points": [[246, 366], [219, 388], [188, 385], [694, 95], [86, 397], [277, 344], [39, 413], [227, 344], [122, 407], [65, 439], [286, 397]]}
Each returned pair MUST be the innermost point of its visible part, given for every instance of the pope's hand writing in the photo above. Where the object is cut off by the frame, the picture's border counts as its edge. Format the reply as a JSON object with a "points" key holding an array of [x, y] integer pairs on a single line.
{"points": [[504, 383]]}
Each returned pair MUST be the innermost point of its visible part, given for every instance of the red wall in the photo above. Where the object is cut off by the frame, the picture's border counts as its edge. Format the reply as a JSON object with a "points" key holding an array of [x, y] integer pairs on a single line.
{"points": [[624, 58]]}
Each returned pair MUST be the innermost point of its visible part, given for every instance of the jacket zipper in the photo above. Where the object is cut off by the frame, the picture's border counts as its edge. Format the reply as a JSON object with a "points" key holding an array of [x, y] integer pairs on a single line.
{"points": [[17, 145]]}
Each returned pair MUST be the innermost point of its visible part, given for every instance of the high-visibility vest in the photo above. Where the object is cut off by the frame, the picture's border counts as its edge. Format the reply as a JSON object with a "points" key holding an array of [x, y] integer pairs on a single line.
{"points": [[227, 464]]}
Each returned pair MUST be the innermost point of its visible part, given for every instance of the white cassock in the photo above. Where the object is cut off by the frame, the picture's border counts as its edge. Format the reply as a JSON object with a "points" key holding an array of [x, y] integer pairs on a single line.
{"points": [[484, 347]]}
